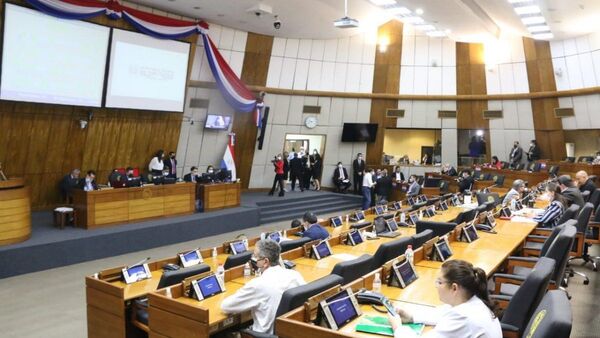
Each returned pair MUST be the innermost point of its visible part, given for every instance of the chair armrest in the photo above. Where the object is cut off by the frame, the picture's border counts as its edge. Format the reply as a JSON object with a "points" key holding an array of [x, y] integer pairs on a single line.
{"points": [[501, 300], [526, 262], [594, 224], [541, 231], [505, 278], [509, 331], [536, 238]]}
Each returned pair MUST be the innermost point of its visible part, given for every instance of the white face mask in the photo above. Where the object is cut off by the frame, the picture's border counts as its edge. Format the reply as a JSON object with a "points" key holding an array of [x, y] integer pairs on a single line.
{"points": [[340, 166], [279, 157], [210, 171]]}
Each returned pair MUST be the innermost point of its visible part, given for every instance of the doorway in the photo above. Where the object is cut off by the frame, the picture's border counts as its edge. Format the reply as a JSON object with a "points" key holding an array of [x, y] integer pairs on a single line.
{"points": [[306, 145]]}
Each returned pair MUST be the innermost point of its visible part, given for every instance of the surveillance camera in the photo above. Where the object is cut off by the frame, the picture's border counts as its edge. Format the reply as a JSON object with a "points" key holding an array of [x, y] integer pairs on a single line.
{"points": [[257, 13], [277, 23], [83, 124]]}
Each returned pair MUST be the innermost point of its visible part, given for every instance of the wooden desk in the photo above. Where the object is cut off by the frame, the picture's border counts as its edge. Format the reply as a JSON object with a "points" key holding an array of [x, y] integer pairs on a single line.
{"points": [[111, 206], [15, 211], [532, 178], [219, 195]]}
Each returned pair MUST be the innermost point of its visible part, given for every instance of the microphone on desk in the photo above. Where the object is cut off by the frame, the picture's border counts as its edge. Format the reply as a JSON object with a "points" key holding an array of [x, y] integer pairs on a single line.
{"points": [[138, 263]]}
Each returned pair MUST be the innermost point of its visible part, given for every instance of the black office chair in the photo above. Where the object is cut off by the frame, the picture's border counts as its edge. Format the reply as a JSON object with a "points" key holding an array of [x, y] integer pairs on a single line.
{"points": [[570, 213], [499, 180], [420, 238], [353, 269], [293, 244], [437, 228], [552, 318], [505, 165], [585, 195], [595, 198], [295, 297], [444, 186], [538, 245], [390, 250], [569, 159], [236, 260], [580, 247], [483, 198], [168, 278], [529, 294], [553, 171], [418, 206], [465, 216], [585, 159]]}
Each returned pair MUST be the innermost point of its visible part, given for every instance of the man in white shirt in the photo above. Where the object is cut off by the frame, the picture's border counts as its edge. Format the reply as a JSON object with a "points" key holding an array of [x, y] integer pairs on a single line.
{"points": [[515, 192], [261, 295], [367, 184]]}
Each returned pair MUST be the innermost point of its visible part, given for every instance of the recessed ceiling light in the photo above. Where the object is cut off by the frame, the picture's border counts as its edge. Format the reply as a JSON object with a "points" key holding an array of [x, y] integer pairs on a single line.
{"points": [[543, 36], [533, 20], [383, 2], [419, 11], [541, 28], [415, 20], [398, 10], [425, 27], [528, 10]]}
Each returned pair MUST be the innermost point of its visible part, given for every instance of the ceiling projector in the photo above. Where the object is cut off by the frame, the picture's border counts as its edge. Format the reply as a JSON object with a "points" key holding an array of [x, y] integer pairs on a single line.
{"points": [[346, 22]]}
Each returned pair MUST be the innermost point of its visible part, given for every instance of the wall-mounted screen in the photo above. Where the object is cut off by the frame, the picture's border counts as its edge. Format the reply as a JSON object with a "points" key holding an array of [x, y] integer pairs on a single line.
{"points": [[359, 132], [51, 60], [217, 122], [146, 73]]}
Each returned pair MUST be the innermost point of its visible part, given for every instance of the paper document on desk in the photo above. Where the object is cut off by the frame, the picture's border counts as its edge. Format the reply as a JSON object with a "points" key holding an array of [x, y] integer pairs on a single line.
{"points": [[522, 219], [381, 325], [344, 257]]}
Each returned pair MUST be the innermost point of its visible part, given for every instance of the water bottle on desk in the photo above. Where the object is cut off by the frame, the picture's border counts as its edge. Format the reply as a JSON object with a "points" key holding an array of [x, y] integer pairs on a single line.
{"points": [[247, 270], [214, 252], [377, 283], [410, 255], [403, 217], [221, 272]]}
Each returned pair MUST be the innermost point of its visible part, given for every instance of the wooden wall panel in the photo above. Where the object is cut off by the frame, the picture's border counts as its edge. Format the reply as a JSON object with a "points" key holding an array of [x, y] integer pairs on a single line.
{"points": [[254, 72], [43, 142], [470, 79], [386, 79], [548, 129]]}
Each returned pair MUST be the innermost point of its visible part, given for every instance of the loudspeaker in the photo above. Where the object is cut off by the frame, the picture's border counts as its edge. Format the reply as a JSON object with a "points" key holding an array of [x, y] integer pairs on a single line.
{"points": [[263, 127]]}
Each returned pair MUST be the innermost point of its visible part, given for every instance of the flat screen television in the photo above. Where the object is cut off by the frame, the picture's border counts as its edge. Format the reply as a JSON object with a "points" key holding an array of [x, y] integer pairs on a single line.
{"points": [[220, 122], [359, 132]]}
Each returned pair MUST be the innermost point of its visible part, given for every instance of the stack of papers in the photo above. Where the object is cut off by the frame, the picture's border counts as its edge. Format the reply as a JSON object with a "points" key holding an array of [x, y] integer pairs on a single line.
{"points": [[381, 325]]}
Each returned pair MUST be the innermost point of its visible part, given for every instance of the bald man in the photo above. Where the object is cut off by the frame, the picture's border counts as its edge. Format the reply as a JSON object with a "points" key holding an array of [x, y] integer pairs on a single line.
{"points": [[584, 182]]}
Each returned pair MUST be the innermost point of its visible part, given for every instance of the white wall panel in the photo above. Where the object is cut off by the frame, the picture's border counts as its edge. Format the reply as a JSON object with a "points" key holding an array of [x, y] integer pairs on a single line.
{"points": [[330, 49], [520, 76], [560, 67], [593, 103], [449, 146], [406, 121], [568, 123], [353, 77], [448, 53], [449, 123], [431, 114], [420, 84], [408, 51], [328, 73], [507, 81], [435, 52], [581, 112], [575, 76], [498, 145], [336, 112], [301, 75], [350, 110], [366, 78], [570, 47], [239, 41], [596, 63], [449, 80], [364, 111], [291, 48], [314, 75], [525, 114], [419, 117], [583, 44], [421, 51], [587, 70], [339, 80], [226, 41], [237, 62], [304, 48], [278, 46], [342, 50], [434, 81], [492, 79], [286, 80], [407, 80], [594, 41], [369, 52], [495, 123], [316, 52], [517, 51], [356, 49], [280, 107], [295, 114], [274, 73], [511, 119], [557, 49]]}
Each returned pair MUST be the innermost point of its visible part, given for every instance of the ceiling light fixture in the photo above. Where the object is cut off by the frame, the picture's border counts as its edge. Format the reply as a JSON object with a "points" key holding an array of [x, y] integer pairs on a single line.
{"points": [[419, 11], [398, 10], [528, 10], [436, 34], [543, 36], [537, 29], [383, 2], [415, 20], [533, 20]]}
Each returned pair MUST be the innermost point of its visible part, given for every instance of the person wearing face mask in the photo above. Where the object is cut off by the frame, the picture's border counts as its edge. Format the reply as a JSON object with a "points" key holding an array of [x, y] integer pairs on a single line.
{"points": [[341, 179], [414, 188], [358, 170], [192, 176], [317, 168], [171, 165], [89, 183], [296, 170], [533, 154], [157, 165], [261, 295], [467, 310], [278, 164], [597, 158], [554, 211], [516, 154]]}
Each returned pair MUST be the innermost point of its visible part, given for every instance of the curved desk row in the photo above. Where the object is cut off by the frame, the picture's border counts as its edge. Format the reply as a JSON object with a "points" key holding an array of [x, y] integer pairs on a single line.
{"points": [[15, 211]]}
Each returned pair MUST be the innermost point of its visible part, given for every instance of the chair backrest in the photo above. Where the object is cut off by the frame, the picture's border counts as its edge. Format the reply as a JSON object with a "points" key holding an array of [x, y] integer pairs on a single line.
{"points": [[444, 186], [353, 269], [420, 238], [236, 260], [570, 213], [483, 198], [585, 195], [553, 170], [418, 205], [293, 244], [465, 216], [570, 159], [438, 228], [499, 180], [295, 297], [390, 250], [555, 231], [559, 251], [552, 318], [584, 217], [595, 198], [585, 159], [172, 277], [529, 294]]}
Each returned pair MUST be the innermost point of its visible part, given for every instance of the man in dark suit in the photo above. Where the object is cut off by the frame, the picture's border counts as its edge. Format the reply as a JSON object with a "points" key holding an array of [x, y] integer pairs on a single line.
{"points": [[89, 183], [584, 182], [68, 183], [383, 188], [192, 176], [569, 191], [533, 154], [341, 179], [358, 170], [171, 165], [466, 182], [516, 154], [296, 172]]}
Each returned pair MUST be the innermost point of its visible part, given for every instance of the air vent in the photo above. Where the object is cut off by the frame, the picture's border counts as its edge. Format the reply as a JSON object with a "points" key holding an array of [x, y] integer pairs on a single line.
{"points": [[447, 114], [311, 110], [198, 103], [563, 112], [394, 113], [492, 114]]}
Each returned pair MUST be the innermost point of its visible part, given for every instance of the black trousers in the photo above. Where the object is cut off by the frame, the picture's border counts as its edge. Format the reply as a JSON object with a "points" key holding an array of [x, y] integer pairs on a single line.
{"points": [[341, 186], [357, 184], [306, 180], [278, 179], [295, 176]]}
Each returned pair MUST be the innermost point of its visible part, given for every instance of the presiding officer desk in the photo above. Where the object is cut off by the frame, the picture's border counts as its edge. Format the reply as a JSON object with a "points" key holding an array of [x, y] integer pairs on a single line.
{"points": [[181, 316]]}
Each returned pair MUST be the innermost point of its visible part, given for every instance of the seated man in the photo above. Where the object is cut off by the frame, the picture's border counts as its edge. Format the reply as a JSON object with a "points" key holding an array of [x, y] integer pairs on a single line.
{"points": [[449, 170], [192, 176], [68, 183], [584, 182], [466, 182], [314, 230], [414, 189], [261, 295], [515, 192], [89, 183], [570, 192], [341, 179]]}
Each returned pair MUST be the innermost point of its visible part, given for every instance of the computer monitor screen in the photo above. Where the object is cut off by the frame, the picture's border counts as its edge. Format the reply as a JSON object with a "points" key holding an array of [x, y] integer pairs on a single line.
{"points": [[136, 273], [443, 206], [207, 287], [443, 249], [238, 247], [391, 224], [397, 205], [220, 122], [340, 309], [470, 233], [413, 218], [190, 258], [405, 273], [491, 220], [322, 250], [360, 215], [379, 210], [275, 236], [336, 221], [411, 201], [355, 237]]}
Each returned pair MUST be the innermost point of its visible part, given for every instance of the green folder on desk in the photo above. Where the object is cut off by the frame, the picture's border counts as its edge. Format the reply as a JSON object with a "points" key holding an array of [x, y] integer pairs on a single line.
{"points": [[381, 326]]}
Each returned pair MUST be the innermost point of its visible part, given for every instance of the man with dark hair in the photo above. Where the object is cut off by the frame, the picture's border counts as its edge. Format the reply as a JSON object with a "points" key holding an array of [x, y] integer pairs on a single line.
{"points": [[171, 165], [466, 182], [261, 295], [569, 191], [515, 155], [314, 230], [68, 183], [367, 186], [89, 183], [358, 169], [296, 172], [340, 178], [533, 154], [383, 188], [192, 176], [414, 188]]}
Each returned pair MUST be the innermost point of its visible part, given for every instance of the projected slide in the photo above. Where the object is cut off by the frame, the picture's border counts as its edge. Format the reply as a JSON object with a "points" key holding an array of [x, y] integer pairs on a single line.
{"points": [[50, 60], [146, 73]]}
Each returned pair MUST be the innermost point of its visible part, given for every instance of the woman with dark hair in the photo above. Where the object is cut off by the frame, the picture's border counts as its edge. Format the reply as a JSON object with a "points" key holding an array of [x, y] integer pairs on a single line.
{"points": [[496, 164], [157, 165], [317, 168], [554, 211], [468, 311]]}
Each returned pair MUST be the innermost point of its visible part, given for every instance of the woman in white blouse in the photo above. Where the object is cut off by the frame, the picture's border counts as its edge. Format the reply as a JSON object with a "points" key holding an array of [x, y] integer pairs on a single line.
{"points": [[468, 311], [156, 165]]}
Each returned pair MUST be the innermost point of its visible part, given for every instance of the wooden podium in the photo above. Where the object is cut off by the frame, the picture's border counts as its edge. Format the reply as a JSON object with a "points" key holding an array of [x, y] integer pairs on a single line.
{"points": [[219, 195], [15, 211]]}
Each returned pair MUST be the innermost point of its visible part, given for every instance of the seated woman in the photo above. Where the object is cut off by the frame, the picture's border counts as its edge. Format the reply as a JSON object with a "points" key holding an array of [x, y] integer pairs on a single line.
{"points": [[554, 211], [468, 311], [496, 164]]}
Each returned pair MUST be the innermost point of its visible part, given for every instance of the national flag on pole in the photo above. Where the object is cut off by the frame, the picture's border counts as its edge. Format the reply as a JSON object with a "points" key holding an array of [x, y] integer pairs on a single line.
{"points": [[258, 114], [228, 161]]}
